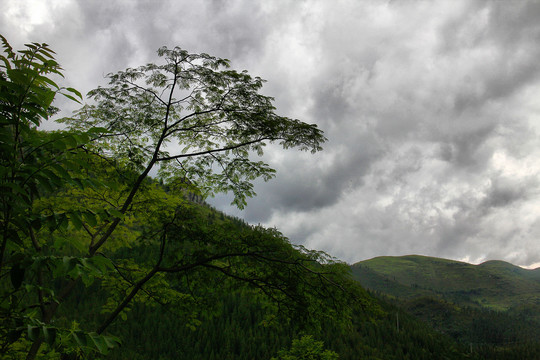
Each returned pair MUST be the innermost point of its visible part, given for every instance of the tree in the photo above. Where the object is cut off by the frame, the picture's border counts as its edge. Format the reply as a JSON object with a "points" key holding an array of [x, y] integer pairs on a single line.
{"points": [[73, 201], [307, 348], [194, 118], [34, 164]]}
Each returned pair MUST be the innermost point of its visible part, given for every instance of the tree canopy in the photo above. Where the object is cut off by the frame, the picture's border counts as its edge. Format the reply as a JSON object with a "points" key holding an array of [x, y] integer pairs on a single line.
{"points": [[306, 348], [77, 204], [194, 118]]}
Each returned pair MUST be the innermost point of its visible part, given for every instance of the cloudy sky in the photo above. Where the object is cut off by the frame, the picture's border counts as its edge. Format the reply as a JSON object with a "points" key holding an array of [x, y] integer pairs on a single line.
{"points": [[431, 108]]}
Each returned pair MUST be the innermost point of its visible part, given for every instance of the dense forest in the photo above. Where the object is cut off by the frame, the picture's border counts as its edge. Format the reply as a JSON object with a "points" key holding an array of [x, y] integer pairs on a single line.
{"points": [[109, 251], [493, 307], [236, 325]]}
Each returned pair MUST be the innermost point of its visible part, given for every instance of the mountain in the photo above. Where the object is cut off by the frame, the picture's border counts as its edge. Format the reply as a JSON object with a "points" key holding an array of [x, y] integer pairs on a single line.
{"points": [[493, 307], [495, 285]]}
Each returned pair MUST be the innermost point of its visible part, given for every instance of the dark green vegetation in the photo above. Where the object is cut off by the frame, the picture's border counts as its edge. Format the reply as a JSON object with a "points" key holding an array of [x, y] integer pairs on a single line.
{"points": [[494, 307], [86, 234], [235, 324]]}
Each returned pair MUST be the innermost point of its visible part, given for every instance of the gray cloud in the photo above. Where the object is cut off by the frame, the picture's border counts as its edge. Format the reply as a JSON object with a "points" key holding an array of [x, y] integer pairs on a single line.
{"points": [[504, 192], [430, 109]]}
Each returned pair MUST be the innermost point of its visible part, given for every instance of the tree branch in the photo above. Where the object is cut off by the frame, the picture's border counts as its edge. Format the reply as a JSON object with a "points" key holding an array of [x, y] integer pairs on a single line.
{"points": [[206, 152]]}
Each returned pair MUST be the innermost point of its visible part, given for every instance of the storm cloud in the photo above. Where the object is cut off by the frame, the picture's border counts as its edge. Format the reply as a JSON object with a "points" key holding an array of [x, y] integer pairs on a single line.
{"points": [[431, 110]]}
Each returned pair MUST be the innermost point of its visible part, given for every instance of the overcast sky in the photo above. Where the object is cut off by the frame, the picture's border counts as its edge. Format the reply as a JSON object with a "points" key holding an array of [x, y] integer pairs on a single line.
{"points": [[431, 108]]}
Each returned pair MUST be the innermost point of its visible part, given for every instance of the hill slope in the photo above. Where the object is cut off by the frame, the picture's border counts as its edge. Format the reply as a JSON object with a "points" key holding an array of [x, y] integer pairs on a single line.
{"points": [[493, 307], [494, 284]]}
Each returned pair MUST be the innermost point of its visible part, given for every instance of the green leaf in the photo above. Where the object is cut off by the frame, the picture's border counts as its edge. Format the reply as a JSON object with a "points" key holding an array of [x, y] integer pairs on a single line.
{"points": [[71, 98], [115, 213], [112, 341], [78, 243], [102, 263], [100, 343], [61, 171], [47, 52], [82, 138], [80, 338], [76, 220], [51, 221], [74, 91], [70, 263], [90, 218], [89, 265], [45, 182], [63, 221], [59, 144], [93, 131], [53, 178], [71, 141]]}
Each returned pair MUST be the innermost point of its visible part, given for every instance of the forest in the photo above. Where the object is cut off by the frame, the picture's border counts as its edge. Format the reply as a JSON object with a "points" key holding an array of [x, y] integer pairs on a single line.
{"points": [[109, 250]]}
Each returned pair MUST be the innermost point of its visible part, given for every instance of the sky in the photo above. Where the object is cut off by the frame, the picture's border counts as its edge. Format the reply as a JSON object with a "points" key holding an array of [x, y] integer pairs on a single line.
{"points": [[431, 110]]}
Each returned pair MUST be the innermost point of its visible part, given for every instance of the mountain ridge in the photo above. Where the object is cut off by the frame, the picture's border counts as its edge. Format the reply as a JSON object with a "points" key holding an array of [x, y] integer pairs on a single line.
{"points": [[484, 263], [494, 284]]}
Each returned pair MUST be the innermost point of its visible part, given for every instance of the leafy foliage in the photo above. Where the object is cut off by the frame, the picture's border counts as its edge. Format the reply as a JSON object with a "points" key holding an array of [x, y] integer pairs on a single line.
{"points": [[307, 348], [35, 164], [238, 330], [77, 204], [195, 118]]}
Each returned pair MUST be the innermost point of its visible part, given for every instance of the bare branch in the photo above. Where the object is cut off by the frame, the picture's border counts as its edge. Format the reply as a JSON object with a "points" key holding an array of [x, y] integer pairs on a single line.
{"points": [[156, 96]]}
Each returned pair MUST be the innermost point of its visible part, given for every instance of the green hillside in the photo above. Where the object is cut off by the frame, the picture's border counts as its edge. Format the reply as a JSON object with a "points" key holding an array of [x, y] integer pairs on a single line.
{"points": [[494, 307], [495, 285]]}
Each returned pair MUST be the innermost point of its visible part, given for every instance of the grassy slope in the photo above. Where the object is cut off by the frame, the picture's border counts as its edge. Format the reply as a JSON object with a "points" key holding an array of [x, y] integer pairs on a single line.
{"points": [[495, 284]]}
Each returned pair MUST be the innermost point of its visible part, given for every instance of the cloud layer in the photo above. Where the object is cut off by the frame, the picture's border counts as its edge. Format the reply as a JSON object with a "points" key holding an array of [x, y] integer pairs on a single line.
{"points": [[430, 109]]}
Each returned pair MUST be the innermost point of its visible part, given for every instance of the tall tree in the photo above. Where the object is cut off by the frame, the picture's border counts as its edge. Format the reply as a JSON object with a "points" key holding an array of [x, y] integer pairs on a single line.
{"points": [[72, 200], [33, 164], [195, 119]]}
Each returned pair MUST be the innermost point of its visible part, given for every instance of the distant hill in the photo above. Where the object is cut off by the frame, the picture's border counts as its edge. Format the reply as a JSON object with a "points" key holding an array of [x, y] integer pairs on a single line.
{"points": [[495, 285], [493, 307]]}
